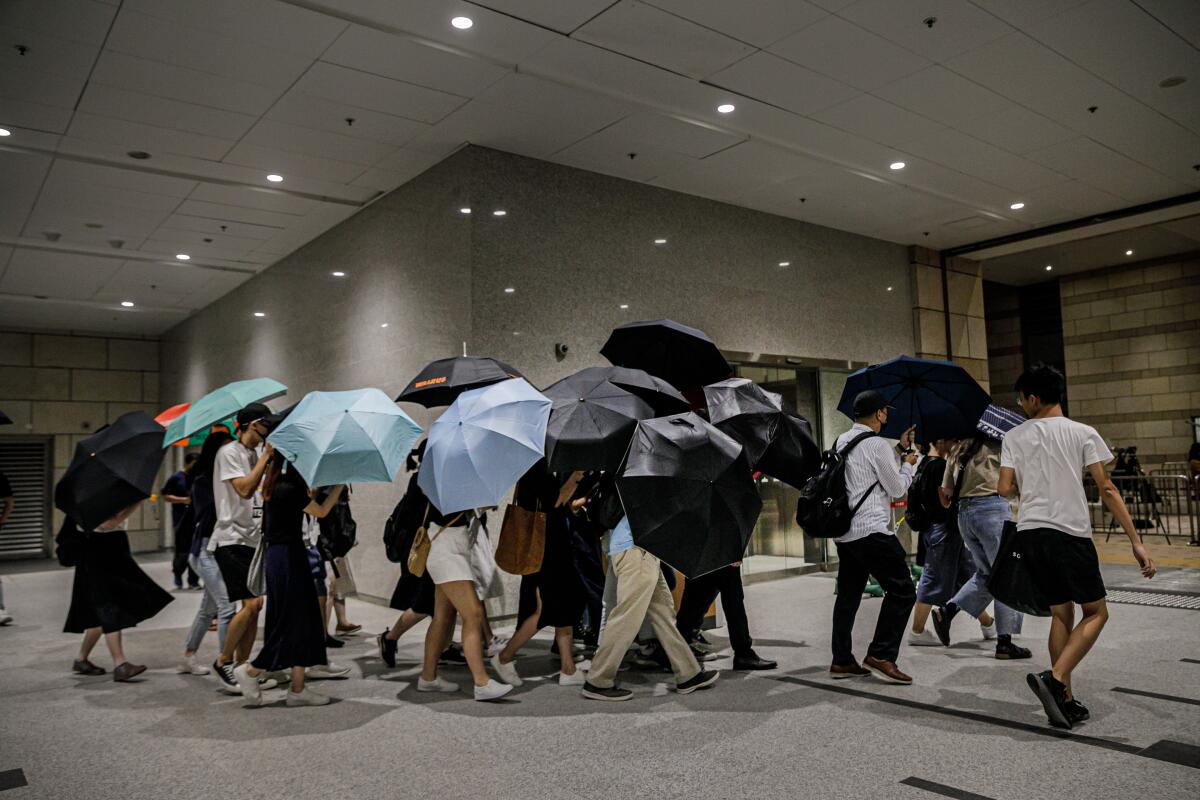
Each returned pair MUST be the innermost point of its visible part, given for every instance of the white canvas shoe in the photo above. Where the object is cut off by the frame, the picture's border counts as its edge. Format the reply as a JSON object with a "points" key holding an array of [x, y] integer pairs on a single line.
{"points": [[925, 638], [438, 684], [248, 684], [493, 691], [575, 679], [507, 672], [327, 671], [989, 631], [189, 666], [307, 697]]}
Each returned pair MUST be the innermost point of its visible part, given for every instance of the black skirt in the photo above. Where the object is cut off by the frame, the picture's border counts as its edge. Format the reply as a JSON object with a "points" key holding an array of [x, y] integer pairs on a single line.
{"points": [[234, 562], [294, 634], [111, 592], [558, 581], [413, 593]]}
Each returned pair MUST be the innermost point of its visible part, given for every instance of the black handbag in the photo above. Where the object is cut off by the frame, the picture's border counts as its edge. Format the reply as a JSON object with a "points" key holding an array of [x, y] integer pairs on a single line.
{"points": [[1011, 582]]}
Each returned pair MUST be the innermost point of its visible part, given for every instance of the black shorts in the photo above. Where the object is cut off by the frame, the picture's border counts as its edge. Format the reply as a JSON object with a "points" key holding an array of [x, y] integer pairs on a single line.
{"points": [[1064, 568], [234, 562]]}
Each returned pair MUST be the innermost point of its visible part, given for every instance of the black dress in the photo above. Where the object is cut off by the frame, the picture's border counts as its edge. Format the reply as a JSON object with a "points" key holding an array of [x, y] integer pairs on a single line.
{"points": [[558, 582], [294, 634], [111, 592]]}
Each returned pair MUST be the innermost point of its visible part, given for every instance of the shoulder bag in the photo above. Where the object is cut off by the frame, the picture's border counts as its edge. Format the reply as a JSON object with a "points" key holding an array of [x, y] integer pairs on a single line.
{"points": [[522, 540], [418, 555]]}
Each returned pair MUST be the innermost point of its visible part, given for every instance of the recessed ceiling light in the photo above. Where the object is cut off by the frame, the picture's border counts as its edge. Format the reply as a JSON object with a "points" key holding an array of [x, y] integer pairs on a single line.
{"points": [[127, 303], [464, 210], [785, 263], [384, 325], [1171, 82], [273, 178], [5, 132], [624, 305], [462, 23], [509, 290], [897, 165], [1128, 252], [1017, 206], [660, 241], [726, 108], [183, 256], [889, 288], [499, 212], [516, 333], [1049, 267], [260, 313], [338, 274]]}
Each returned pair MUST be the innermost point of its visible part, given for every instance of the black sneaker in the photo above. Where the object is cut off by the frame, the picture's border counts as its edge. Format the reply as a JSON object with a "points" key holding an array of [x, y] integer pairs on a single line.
{"points": [[702, 655], [1007, 651], [1077, 712], [702, 680], [332, 642], [941, 623], [452, 655], [613, 694], [224, 673], [387, 649], [1053, 696]]}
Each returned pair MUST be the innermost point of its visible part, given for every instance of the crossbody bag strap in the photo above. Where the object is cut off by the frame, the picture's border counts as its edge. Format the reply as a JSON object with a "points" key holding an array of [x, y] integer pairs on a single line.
{"points": [[844, 454], [449, 524]]}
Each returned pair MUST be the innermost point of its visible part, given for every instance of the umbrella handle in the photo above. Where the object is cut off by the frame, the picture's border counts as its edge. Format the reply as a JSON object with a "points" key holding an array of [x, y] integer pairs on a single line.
{"points": [[681, 421]]}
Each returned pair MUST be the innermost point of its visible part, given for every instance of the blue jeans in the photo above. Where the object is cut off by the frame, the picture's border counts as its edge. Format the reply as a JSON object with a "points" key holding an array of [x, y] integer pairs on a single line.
{"points": [[948, 565], [981, 522], [216, 600]]}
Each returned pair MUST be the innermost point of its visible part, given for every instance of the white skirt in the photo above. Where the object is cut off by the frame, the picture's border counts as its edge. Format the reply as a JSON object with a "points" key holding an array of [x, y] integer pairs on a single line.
{"points": [[450, 555]]}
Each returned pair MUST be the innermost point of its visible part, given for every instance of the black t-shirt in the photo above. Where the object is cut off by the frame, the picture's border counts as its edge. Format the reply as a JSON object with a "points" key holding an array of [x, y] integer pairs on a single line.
{"points": [[284, 512], [179, 485], [5, 487]]}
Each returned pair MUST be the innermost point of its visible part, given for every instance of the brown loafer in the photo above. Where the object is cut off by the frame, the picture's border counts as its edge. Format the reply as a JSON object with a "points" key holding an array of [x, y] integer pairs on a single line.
{"points": [[853, 670], [85, 667], [886, 671], [127, 671]]}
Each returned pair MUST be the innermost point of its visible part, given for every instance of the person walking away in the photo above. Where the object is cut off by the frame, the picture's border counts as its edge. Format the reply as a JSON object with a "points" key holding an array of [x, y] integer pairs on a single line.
{"points": [[642, 594], [215, 601], [237, 475], [969, 490], [110, 593], [7, 503], [177, 491], [1041, 462], [869, 548], [948, 564], [699, 594], [294, 635], [337, 538]]}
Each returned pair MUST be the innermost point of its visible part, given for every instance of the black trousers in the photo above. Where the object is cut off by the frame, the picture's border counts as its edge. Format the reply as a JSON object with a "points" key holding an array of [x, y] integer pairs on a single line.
{"points": [[699, 594], [881, 555], [179, 563]]}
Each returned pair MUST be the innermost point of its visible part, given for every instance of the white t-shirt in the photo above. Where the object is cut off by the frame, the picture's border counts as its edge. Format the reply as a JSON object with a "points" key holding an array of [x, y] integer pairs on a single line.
{"points": [[1049, 456], [239, 521]]}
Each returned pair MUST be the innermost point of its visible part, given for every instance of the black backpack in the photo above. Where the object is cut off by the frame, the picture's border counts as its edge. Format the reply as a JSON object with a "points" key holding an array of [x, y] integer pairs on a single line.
{"points": [[339, 531], [413, 511], [823, 510], [923, 508]]}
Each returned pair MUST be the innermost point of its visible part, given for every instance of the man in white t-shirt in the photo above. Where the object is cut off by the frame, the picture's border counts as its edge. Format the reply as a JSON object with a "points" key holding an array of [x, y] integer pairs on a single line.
{"points": [[237, 477], [1042, 461]]}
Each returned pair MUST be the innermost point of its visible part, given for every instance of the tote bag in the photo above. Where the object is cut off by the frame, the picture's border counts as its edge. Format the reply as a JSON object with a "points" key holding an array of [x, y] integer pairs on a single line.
{"points": [[256, 579], [522, 540], [1011, 582]]}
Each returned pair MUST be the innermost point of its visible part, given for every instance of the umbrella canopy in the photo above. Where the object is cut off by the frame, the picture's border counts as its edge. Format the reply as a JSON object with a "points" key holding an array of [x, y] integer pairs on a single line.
{"points": [[680, 355], [221, 404], [483, 443], [663, 397], [440, 382], [166, 416], [997, 421], [111, 470], [793, 455], [591, 420], [777, 443], [345, 437], [938, 397], [4, 420], [688, 494]]}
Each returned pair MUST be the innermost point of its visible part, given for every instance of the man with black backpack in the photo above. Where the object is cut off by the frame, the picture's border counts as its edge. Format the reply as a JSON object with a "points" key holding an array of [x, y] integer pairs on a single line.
{"points": [[873, 478]]}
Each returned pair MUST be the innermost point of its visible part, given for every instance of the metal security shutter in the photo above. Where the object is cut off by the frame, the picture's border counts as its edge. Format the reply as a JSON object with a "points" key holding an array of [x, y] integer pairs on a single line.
{"points": [[26, 463]]}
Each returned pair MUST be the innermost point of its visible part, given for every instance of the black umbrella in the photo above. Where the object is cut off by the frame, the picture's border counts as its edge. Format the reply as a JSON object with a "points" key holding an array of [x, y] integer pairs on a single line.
{"points": [[687, 491], [440, 382], [778, 443], [680, 355], [663, 397], [591, 420], [112, 469], [272, 421], [793, 455]]}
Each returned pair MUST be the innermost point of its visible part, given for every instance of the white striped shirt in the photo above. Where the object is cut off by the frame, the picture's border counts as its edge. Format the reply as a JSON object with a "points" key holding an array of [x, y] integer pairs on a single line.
{"points": [[872, 467]]}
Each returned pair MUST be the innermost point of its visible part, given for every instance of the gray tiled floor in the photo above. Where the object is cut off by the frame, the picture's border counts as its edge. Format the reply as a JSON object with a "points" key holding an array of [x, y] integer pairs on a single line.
{"points": [[971, 723]]}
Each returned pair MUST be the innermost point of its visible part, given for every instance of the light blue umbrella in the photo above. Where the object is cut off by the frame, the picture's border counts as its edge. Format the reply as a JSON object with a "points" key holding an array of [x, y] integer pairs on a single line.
{"points": [[346, 437], [221, 404], [483, 443]]}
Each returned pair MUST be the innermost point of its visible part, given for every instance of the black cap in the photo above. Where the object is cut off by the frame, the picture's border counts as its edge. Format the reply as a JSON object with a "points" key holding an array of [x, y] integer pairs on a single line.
{"points": [[252, 413], [868, 402]]}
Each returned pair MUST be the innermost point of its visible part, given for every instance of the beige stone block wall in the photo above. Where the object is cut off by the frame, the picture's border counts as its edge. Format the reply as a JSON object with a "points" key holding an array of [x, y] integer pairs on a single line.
{"points": [[66, 387], [968, 326], [1132, 348]]}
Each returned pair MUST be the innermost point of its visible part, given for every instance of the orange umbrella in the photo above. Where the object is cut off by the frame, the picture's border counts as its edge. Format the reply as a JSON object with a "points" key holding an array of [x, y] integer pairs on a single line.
{"points": [[165, 417]]}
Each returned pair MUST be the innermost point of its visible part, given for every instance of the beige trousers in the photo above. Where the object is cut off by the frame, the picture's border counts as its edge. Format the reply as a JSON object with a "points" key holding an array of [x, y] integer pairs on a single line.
{"points": [[642, 593]]}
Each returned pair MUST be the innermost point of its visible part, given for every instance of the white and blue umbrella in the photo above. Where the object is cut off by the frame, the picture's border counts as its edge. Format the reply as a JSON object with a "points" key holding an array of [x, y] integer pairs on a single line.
{"points": [[346, 437], [483, 443]]}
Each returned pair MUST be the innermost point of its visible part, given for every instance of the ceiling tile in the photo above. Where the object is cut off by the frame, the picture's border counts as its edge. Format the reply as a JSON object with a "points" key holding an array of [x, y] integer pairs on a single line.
{"points": [[67, 173], [880, 121], [46, 53], [214, 227], [534, 135], [661, 132], [766, 22], [82, 21], [848, 53], [1099, 166], [163, 113], [1181, 16], [656, 37], [399, 168], [155, 78], [288, 26], [223, 213], [609, 155], [955, 149], [407, 60], [270, 134], [21, 174], [960, 25], [1023, 13], [944, 96], [54, 274], [1017, 130], [271, 159], [781, 83], [26, 84], [560, 15], [35, 116], [534, 95], [245, 197], [298, 108], [377, 93], [154, 140]]}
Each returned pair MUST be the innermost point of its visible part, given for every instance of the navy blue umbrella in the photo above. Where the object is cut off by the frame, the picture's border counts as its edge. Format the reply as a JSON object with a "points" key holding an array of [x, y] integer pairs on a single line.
{"points": [[938, 397]]}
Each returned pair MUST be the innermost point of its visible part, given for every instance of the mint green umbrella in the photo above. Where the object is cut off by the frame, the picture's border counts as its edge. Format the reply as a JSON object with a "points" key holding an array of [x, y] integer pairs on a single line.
{"points": [[221, 404]]}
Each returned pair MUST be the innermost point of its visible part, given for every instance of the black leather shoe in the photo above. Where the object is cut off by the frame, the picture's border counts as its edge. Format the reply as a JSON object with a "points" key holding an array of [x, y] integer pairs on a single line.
{"points": [[751, 661]]}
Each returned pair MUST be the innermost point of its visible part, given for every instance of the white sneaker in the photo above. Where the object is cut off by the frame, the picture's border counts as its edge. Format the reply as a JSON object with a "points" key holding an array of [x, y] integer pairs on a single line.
{"points": [[989, 631], [584, 665], [507, 672], [438, 684], [5, 617], [493, 691], [189, 666], [280, 676], [327, 671], [925, 638], [266, 683], [307, 697], [498, 644], [576, 679], [248, 684]]}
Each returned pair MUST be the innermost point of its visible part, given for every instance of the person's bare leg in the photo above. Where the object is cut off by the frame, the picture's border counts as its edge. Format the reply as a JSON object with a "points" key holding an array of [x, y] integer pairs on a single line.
{"points": [[405, 623], [1062, 622], [113, 642], [326, 607], [920, 616], [235, 632], [251, 633], [566, 654], [462, 595], [297, 685], [521, 636], [438, 634], [90, 637], [986, 619], [488, 633], [1080, 641]]}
